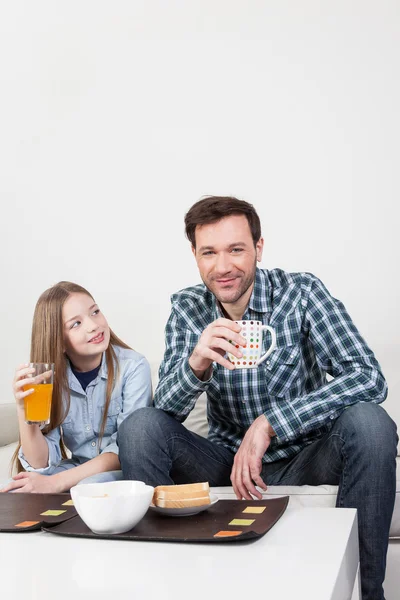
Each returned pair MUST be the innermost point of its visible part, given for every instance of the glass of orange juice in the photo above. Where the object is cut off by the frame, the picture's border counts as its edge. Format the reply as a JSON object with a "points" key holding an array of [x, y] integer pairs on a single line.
{"points": [[38, 404]]}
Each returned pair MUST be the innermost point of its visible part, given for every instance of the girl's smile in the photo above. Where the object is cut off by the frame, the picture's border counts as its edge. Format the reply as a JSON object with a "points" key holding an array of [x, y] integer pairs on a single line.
{"points": [[97, 339], [86, 331]]}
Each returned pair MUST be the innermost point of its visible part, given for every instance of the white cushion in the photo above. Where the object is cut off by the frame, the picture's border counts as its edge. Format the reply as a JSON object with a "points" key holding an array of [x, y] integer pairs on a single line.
{"points": [[8, 423], [197, 419], [6, 453]]}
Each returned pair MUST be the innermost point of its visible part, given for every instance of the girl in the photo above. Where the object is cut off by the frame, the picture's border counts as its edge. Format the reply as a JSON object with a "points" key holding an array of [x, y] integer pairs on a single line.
{"points": [[98, 381]]}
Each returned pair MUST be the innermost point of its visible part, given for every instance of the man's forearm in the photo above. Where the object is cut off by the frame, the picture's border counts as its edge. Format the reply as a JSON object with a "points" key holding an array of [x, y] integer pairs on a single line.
{"points": [[177, 391], [311, 411]]}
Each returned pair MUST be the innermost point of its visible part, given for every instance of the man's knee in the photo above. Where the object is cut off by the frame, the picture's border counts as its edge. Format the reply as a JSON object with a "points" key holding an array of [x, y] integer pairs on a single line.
{"points": [[139, 420], [143, 425], [370, 426]]}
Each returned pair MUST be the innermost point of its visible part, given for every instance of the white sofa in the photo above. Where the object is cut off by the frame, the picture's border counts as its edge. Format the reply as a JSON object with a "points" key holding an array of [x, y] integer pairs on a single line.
{"points": [[321, 496]]}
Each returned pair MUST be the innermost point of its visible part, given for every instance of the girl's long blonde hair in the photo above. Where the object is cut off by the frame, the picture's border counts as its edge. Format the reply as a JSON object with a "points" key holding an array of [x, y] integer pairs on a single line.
{"points": [[47, 345]]}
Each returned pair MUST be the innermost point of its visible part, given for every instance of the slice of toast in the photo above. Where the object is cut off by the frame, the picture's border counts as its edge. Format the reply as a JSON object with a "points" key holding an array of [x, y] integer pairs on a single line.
{"points": [[176, 492], [185, 503], [184, 487], [185, 493]]}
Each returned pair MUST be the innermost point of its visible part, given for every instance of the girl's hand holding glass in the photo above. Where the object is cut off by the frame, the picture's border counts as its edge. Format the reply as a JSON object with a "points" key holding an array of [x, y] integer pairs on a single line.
{"points": [[23, 379], [33, 387]]}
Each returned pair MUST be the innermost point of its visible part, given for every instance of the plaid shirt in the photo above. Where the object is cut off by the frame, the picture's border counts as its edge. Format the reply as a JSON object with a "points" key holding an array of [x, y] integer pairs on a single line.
{"points": [[315, 337]]}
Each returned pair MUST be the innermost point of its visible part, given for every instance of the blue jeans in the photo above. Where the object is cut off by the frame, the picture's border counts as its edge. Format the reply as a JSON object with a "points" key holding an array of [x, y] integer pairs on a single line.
{"points": [[358, 454]]}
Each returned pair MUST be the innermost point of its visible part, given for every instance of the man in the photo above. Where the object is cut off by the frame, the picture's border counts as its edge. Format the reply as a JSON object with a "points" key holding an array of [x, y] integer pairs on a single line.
{"points": [[283, 422]]}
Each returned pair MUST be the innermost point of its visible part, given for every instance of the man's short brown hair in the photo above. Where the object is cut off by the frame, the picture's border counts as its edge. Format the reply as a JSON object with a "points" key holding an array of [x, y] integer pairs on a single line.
{"points": [[214, 208]]}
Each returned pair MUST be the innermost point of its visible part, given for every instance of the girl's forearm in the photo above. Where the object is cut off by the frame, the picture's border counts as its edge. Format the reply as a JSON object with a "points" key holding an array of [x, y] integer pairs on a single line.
{"points": [[108, 461], [33, 443]]}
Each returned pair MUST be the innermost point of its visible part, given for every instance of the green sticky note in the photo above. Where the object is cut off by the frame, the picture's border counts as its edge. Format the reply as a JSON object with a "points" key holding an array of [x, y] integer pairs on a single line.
{"points": [[52, 513], [68, 503], [242, 522]]}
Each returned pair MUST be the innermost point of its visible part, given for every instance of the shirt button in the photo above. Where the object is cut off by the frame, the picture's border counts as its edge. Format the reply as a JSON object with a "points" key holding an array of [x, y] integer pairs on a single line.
{"points": [[332, 417], [268, 362], [87, 427], [93, 444]]}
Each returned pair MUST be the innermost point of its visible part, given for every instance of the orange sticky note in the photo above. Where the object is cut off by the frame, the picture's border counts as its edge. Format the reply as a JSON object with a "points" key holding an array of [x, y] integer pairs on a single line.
{"points": [[228, 533], [27, 523], [255, 510]]}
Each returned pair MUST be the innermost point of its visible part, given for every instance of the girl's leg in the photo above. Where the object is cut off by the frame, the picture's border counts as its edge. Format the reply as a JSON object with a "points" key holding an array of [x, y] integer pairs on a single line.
{"points": [[103, 477]]}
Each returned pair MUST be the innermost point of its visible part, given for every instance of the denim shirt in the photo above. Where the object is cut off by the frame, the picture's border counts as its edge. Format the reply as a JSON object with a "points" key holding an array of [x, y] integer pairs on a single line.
{"points": [[81, 427]]}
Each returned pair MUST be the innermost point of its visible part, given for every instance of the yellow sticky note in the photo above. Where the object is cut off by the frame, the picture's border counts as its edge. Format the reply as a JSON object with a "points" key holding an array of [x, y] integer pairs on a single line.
{"points": [[68, 503], [255, 510], [242, 522], [52, 513]]}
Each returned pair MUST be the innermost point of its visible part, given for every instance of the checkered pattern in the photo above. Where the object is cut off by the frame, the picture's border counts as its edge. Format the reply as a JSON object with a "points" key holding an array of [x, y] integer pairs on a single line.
{"points": [[315, 337]]}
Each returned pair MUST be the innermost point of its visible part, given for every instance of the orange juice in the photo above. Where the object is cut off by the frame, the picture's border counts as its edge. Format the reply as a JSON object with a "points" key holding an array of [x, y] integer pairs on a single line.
{"points": [[38, 404]]}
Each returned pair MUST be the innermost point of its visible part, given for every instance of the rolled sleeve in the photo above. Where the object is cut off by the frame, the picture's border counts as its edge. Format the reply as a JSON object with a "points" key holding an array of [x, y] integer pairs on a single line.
{"points": [[53, 442]]}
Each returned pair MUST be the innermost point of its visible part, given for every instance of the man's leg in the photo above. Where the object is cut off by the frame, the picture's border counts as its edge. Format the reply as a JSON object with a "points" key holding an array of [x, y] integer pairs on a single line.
{"points": [[359, 455], [157, 449]]}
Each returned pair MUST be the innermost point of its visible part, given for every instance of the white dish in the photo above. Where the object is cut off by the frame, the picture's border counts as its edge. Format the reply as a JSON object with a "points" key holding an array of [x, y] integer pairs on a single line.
{"points": [[184, 512], [113, 506]]}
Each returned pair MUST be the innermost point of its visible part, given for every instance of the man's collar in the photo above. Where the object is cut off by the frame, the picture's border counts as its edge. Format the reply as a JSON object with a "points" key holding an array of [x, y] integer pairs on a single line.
{"points": [[260, 299]]}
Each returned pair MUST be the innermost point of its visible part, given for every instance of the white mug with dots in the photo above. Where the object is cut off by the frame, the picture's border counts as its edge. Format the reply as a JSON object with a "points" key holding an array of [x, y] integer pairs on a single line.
{"points": [[252, 331]]}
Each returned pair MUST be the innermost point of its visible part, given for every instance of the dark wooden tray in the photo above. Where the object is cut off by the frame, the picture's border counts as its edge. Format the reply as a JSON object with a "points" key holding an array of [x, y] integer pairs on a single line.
{"points": [[23, 512], [212, 525]]}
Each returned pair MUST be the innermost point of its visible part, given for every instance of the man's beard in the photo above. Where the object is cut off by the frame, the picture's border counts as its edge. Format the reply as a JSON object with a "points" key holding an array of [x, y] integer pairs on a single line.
{"points": [[245, 283]]}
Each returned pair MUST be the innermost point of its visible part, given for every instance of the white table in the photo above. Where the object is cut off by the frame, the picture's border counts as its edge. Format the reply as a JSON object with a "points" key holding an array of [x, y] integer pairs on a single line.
{"points": [[310, 554]]}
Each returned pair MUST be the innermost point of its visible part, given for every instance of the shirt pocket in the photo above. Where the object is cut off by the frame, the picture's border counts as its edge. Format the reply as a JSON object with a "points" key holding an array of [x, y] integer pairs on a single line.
{"points": [[114, 409], [69, 432], [68, 424], [283, 370]]}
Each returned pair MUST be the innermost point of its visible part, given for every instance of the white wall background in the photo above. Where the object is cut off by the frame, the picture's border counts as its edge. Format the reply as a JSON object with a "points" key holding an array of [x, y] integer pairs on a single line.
{"points": [[115, 117]]}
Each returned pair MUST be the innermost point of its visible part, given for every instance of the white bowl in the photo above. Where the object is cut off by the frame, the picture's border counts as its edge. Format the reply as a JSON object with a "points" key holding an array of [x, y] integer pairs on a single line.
{"points": [[112, 507]]}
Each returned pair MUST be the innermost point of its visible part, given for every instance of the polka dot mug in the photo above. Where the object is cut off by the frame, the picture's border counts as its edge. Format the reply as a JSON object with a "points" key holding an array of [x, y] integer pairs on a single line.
{"points": [[253, 332]]}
